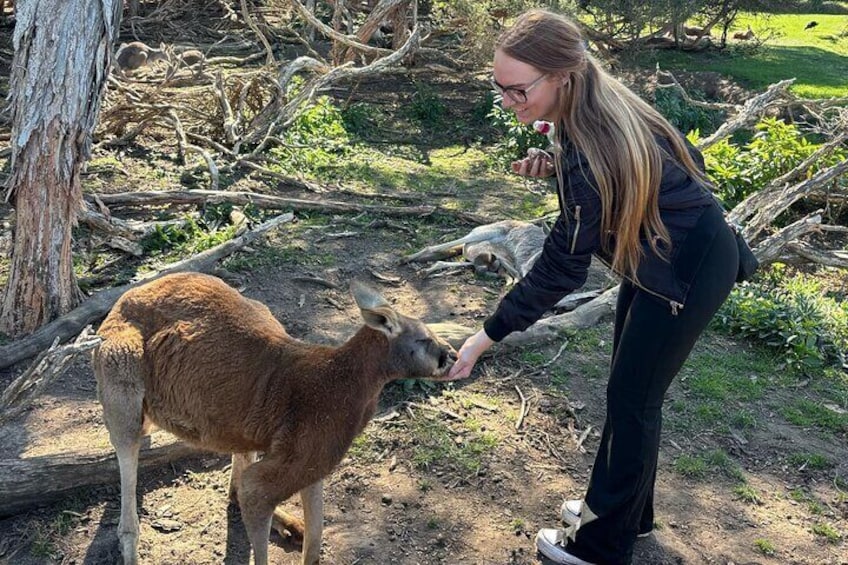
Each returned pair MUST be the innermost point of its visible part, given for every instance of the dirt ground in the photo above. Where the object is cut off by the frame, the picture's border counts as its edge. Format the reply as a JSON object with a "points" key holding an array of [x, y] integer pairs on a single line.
{"points": [[381, 504]]}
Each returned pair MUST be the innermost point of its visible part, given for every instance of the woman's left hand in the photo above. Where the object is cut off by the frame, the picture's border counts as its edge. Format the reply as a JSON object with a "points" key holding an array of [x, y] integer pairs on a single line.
{"points": [[538, 164]]}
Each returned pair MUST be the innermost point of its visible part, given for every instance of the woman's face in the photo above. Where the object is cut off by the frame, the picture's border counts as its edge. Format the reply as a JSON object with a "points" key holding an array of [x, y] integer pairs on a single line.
{"points": [[517, 81]]}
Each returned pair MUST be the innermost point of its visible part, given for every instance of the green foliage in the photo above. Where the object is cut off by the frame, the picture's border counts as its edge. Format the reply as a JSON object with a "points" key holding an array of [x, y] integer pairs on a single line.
{"points": [[813, 461], [684, 116], [516, 138], [359, 118], [427, 107], [195, 234], [828, 532], [708, 463], [437, 444], [791, 314], [764, 546], [748, 494], [776, 148], [315, 140]]}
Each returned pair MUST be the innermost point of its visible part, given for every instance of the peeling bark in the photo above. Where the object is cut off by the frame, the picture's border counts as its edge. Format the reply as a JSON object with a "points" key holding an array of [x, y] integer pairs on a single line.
{"points": [[57, 84]]}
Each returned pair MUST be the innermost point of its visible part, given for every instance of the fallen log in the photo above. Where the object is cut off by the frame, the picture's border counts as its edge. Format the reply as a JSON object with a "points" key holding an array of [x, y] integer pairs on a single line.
{"points": [[267, 201], [30, 482], [99, 304]]}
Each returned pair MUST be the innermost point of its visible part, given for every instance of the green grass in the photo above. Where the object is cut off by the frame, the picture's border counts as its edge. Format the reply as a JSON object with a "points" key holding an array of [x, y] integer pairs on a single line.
{"points": [[809, 413], [707, 464], [764, 546], [748, 494], [828, 532], [816, 58], [437, 445], [812, 461]]}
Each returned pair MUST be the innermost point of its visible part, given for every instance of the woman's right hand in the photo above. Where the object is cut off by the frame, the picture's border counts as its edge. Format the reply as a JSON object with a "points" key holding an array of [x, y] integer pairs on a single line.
{"points": [[468, 354], [537, 164]]}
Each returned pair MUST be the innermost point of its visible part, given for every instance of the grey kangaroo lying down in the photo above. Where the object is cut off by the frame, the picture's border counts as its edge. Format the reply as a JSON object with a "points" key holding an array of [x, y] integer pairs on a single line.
{"points": [[191, 355]]}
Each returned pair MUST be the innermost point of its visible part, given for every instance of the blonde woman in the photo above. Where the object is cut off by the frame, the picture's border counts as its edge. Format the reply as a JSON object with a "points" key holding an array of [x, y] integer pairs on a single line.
{"points": [[632, 192]]}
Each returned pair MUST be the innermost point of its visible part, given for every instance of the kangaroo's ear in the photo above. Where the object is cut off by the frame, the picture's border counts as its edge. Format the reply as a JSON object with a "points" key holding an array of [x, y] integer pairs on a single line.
{"points": [[383, 319], [376, 311], [365, 296]]}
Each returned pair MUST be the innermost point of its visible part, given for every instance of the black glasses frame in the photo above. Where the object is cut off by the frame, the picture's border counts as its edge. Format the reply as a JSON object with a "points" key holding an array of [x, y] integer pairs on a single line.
{"points": [[518, 95]]}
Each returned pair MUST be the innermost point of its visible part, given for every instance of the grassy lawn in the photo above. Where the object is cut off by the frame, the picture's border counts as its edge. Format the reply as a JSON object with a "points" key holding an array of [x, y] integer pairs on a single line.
{"points": [[817, 58]]}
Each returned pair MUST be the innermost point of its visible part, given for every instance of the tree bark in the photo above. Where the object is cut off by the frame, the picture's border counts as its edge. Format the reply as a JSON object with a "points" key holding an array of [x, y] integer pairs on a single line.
{"points": [[57, 83]]}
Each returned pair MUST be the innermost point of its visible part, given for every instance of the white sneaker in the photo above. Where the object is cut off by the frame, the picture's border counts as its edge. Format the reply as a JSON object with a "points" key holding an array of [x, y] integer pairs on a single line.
{"points": [[570, 514], [551, 543]]}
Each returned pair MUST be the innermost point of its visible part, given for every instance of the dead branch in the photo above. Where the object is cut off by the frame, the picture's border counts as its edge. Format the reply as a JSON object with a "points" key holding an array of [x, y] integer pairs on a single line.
{"points": [[749, 114], [831, 258], [248, 19], [266, 201], [275, 118], [673, 83], [546, 329], [99, 304], [210, 164], [230, 121], [772, 248], [779, 202], [352, 42], [761, 198], [51, 363], [284, 179]]}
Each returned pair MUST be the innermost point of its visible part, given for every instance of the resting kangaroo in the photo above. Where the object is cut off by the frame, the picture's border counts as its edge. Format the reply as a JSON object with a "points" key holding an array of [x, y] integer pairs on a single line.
{"points": [[189, 354]]}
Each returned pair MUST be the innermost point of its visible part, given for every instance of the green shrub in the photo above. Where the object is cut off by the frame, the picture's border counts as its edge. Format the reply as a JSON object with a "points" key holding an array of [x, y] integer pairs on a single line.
{"points": [[685, 117], [792, 314], [516, 138], [775, 149], [314, 141], [427, 107]]}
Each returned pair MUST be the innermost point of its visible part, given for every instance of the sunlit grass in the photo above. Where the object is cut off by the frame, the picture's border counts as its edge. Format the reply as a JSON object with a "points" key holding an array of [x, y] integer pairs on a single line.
{"points": [[816, 58]]}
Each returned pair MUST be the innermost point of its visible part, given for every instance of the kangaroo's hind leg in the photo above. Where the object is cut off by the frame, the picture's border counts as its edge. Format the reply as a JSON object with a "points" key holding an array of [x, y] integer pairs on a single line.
{"points": [[312, 498], [120, 390]]}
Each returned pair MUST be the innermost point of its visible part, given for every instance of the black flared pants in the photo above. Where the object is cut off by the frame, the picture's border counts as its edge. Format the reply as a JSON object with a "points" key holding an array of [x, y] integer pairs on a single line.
{"points": [[650, 345]]}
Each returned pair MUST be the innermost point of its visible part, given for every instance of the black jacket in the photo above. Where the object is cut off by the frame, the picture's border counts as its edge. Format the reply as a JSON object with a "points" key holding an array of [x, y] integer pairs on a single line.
{"points": [[563, 265]]}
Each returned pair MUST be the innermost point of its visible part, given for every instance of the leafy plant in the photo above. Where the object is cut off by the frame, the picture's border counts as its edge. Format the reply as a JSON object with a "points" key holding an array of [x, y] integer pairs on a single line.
{"points": [[685, 116], [764, 546], [427, 107], [315, 140], [792, 314], [516, 138], [775, 149]]}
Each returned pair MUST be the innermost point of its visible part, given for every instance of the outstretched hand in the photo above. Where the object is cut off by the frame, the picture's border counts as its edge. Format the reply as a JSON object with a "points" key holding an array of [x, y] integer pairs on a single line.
{"points": [[468, 354], [538, 164]]}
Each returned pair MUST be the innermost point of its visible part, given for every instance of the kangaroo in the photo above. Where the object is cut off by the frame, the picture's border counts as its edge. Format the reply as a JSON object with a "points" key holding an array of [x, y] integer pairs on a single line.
{"points": [[133, 56], [189, 354]]}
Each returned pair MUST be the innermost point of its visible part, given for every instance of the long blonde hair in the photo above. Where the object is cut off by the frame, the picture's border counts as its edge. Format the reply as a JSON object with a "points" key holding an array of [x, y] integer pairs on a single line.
{"points": [[611, 126]]}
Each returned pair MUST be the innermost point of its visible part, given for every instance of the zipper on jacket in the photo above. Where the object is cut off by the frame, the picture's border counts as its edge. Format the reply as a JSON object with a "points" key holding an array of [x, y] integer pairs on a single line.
{"points": [[675, 306], [576, 229]]}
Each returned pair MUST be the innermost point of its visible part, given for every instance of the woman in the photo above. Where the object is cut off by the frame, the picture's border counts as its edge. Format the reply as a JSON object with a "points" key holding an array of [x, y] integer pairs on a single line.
{"points": [[631, 193]]}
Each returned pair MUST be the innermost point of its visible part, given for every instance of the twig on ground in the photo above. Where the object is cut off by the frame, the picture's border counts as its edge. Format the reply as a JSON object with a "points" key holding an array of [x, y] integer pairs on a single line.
{"points": [[522, 411], [582, 438]]}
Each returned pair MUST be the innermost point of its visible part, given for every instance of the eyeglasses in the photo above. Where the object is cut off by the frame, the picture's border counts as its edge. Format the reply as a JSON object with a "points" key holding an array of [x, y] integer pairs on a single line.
{"points": [[518, 95]]}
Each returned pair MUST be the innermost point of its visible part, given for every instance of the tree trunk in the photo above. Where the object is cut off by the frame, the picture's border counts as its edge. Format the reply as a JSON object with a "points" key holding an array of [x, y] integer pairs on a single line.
{"points": [[63, 51]]}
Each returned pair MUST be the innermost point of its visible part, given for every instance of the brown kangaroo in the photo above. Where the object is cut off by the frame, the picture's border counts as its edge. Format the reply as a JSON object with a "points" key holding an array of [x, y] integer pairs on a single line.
{"points": [[134, 55], [189, 354]]}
